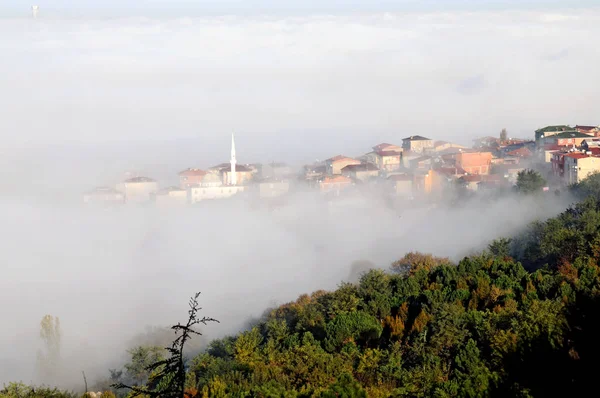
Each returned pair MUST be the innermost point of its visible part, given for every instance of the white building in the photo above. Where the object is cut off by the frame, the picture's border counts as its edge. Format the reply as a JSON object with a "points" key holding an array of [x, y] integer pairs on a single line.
{"points": [[212, 186], [138, 189], [171, 196], [198, 194], [103, 196]]}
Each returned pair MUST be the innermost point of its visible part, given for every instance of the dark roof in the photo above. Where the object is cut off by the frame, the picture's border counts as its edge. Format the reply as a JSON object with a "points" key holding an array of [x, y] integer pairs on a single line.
{"points": [[227, 167], [585, 127], [416, 138], [561, 127], [569, 134], [361, 167], [139, 179]]}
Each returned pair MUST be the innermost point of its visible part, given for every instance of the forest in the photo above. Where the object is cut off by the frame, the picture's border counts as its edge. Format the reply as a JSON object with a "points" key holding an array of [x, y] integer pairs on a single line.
{"points": [[518, 319]]}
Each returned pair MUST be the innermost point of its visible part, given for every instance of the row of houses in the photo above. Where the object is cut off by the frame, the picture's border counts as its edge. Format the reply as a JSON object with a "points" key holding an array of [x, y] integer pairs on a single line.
{"points": [[422, 166]]}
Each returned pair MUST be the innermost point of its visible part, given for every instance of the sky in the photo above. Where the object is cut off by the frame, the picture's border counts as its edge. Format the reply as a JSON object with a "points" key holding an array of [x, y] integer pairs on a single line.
{"points": [[199, 7], [162, 93], [92, 91]]}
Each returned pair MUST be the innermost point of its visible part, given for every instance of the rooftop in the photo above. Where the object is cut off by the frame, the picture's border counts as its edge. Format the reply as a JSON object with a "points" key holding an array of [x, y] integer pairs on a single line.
{"points": [[361, 167], [587, 128], [192, 172], [416, 138], [561, 127], [570, 134], [139, 180], [388, 153]]}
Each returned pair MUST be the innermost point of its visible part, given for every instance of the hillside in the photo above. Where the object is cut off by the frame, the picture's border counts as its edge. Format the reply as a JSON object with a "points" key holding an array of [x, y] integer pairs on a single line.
{"points": [[487, 326]]}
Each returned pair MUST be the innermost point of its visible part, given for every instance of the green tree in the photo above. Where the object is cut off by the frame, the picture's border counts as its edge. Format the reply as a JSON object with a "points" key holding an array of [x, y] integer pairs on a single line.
{"points": [[141, 358], [530, 181], [345, 387], [500, 247]]}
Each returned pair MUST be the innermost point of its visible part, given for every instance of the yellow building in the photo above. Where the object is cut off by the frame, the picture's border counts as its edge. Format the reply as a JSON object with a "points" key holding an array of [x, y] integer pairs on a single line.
{"points": [[578, 166]]}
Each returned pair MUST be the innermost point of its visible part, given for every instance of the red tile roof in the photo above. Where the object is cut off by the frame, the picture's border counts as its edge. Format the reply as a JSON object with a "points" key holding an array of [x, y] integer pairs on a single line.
{"points": [[585, 127], [521, 152], [577, 155], [382, 147], [192, 172]]}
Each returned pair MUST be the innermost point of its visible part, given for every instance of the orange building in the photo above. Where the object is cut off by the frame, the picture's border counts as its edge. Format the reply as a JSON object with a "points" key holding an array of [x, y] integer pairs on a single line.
{"points": [[191, 177], [474, 162], [335, 184]]}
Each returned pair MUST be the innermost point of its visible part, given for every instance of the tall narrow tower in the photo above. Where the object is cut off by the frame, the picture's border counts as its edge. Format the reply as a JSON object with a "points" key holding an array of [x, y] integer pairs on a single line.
{"points": [[233, 162], [34, 11]]}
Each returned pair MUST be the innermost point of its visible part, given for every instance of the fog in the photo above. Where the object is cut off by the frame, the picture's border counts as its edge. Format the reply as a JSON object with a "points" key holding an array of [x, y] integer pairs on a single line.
{"points": [[84, 100]]}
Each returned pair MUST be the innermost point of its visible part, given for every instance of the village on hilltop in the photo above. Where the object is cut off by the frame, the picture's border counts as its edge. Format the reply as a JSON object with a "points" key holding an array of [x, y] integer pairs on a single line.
{"points": [[419, 167]]}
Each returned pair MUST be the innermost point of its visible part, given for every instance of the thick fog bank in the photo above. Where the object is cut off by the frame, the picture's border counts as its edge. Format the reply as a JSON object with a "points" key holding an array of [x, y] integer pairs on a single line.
{"points": [[110, 273]]}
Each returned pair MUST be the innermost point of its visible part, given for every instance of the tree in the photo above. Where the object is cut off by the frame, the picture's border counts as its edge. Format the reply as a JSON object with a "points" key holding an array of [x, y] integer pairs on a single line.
{"points": [[345, 387], [530, 181], [168, 376], [48, 361], [141, 358], [414, 261], [503, 135], [500, 247]]}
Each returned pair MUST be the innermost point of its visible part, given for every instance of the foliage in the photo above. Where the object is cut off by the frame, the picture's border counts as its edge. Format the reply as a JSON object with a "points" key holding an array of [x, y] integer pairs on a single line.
{"points": [[503, 135], [20, 390], [141, 359], [530, 181], [48, 361], [167, 377], [414, 261]]}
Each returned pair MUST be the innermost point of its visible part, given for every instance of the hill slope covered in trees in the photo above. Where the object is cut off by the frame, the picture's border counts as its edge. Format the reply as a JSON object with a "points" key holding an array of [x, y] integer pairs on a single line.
{"points": [[517, 320]]}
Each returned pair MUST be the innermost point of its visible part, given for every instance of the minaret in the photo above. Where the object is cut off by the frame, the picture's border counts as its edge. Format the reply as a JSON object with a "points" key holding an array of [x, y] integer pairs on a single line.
{"points": [[233, 162]]}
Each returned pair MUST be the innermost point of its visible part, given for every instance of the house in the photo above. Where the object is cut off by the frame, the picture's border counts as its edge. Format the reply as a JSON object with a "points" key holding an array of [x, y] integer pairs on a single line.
{"points": [[337, 163], [443, 145], [138, 189], [243, 173], [590, 143], [589, 130], [387, 147], [567, 138], [402, 185], [421, 162], [522, 152], [335, 184], [199, 194], [386, 157], [361, 172], [578, 166], [190, 177], [450, 172], [476, 182], [417, 144], [509, 172], [486, 142], [103, 196], [549, 131], [314, 172], [275, 170], [171, 196], [548, 150], [474, 162], [272, 188], [558, 163]]}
